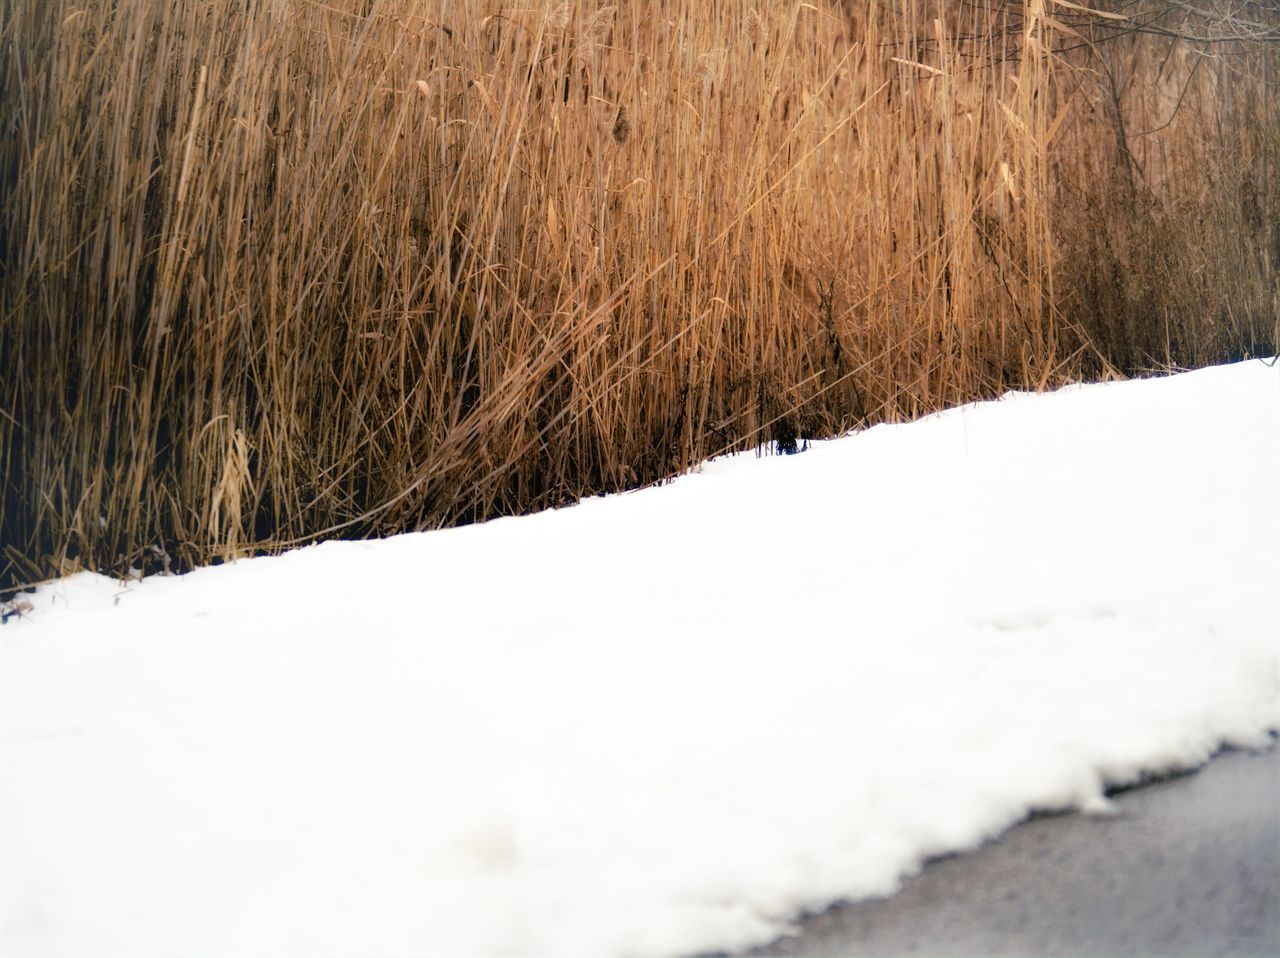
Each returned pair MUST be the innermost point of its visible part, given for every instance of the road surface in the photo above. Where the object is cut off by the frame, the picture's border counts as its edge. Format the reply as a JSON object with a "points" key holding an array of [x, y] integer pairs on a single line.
{"points": [[1188, 866]]}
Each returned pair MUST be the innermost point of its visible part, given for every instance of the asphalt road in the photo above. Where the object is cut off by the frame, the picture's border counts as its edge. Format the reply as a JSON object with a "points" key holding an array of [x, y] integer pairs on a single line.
{"points": [[1188, 866]]}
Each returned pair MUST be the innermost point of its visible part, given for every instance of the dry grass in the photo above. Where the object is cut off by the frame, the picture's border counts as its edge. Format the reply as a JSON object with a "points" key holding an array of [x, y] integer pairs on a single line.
{"points": [[285, 269]]}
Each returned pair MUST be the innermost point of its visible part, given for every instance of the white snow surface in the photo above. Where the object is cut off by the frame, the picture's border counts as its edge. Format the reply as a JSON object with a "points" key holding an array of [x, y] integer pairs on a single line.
{"points": [[657, 723]]}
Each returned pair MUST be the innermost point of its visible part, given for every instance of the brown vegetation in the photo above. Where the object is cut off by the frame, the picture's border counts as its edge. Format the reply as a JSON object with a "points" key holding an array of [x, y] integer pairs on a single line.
{"points": [[277, 270]]}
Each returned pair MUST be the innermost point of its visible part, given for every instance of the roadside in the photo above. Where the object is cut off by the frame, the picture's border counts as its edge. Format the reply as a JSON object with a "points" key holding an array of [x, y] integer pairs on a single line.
{"points": [[1187, 866]]}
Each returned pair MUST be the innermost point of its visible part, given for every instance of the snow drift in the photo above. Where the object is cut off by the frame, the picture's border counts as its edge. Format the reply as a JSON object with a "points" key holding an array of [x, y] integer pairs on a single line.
{"points": [[657, 723]]}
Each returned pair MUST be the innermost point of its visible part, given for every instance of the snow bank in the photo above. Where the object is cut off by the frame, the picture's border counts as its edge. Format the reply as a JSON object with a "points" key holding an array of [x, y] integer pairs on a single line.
{"points": [[655, 723]]}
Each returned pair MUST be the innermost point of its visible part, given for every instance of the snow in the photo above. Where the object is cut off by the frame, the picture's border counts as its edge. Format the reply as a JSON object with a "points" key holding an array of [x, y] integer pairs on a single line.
{"points": [[658, 723]]}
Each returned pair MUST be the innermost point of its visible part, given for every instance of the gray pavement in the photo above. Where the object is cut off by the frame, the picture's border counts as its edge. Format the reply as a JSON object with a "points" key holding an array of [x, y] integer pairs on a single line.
{"points": [[1188, 866]]}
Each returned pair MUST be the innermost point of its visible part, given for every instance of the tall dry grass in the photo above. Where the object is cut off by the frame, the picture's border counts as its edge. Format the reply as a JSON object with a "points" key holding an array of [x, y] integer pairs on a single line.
{"points": [[285, 269], [1170, 226]]}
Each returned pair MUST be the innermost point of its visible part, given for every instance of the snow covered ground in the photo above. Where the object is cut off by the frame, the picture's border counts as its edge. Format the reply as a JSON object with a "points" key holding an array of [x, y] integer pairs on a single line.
{"points": [[656, 723]]}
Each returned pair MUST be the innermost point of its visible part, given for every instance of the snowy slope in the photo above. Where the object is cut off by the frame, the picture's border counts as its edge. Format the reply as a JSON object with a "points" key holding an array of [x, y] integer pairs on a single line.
{"points": [[655, 723]]}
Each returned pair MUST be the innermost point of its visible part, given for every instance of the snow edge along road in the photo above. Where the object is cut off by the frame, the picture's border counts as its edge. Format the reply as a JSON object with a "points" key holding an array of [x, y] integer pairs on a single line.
{"points": [[662, 722]]}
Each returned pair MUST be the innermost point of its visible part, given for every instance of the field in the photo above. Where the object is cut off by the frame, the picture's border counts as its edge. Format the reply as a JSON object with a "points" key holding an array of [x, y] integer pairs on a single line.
{"points": [[286, 270]]}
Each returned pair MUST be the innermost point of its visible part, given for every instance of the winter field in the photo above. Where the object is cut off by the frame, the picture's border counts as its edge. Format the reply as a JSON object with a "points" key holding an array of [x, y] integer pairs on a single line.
{"points": [[658, 723]]}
